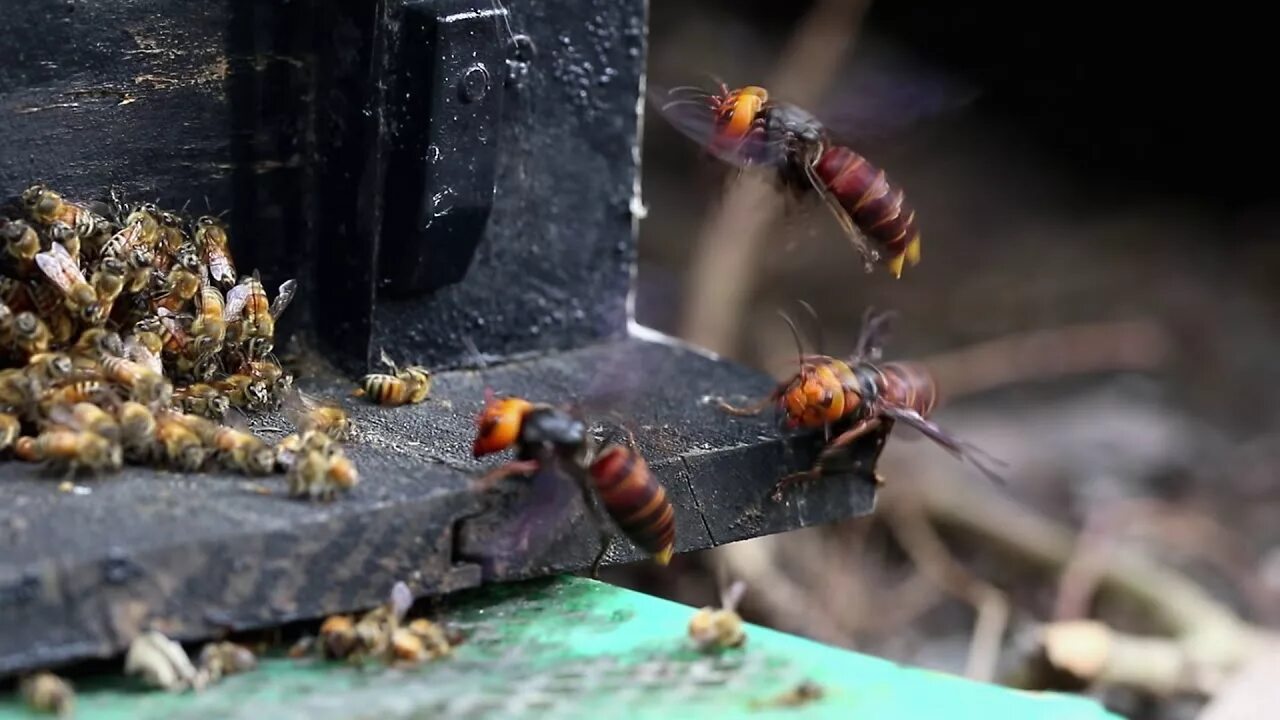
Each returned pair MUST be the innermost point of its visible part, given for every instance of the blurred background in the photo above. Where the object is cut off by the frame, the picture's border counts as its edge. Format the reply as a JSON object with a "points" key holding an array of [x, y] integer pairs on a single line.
{"points": [[1097, 193]]}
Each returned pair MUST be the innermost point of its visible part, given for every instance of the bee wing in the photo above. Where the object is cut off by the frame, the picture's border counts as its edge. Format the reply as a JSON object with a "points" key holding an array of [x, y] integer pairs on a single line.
{"points": [[141, 354], [962, 450], [236, 299], [690, 112], [284, 296], [298, 406], [220, 266], [59, 267], [733, 595]]}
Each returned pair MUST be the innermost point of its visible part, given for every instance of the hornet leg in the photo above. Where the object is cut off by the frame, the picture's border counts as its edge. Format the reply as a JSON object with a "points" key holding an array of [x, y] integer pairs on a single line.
{"points": [[842, 441], [517, 467]]}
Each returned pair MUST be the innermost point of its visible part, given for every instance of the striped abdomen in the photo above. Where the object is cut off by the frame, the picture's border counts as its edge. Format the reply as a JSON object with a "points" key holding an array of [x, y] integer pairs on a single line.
{"points": [[823, 392], [877, 207], [385, 389], [908, 385], [635, 500]]}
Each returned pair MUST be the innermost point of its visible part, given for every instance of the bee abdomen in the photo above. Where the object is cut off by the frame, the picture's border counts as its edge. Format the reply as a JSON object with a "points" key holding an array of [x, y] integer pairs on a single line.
{"points": [[385, 389], [635, 499], [877, 207]]}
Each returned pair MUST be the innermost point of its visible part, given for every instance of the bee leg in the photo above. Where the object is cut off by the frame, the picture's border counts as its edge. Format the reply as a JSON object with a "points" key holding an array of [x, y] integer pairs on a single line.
{"points": [[493, 477]]}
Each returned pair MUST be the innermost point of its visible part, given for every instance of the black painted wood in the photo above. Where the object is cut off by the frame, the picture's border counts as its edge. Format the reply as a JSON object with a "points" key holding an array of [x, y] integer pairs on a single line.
{"points": [[80, 574]]}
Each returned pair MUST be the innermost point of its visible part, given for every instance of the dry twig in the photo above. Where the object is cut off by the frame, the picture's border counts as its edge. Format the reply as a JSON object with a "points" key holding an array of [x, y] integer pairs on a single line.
{"points": [[917, 537], [1206, 641]]}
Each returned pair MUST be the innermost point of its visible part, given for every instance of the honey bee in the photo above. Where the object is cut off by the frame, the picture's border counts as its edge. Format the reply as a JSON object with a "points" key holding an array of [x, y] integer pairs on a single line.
{"points": [[310, 413], [183, 282], [47, 207], [252, 316], [243, 451], [174, 336], [244, 391], [50, 368], [51, 308], [140, 264], [211, 239], [137, 430], [67, 237], [86, 416], [317, 467], [98, 343], [108, 282], [178, 445], [203, 399], [715, 629], [219, 659], [143, 383], [172, 237], [420, 640], [70, 451], [144, 347], [20, 391], [141, 231], [76, 392], [268, 370], [10, 428], [45, 692], [7, 319], [21, 243], [30, 334], [63, 271], [344, 638], [410, 385], [209, 330]]}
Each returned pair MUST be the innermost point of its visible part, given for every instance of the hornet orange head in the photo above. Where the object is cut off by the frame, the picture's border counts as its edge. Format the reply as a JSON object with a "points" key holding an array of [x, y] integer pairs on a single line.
{"points": [[498, 424]]}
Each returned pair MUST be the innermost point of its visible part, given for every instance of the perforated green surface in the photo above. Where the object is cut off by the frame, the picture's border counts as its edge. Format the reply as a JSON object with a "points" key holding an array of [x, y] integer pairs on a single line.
{"points": [[575, 648]]}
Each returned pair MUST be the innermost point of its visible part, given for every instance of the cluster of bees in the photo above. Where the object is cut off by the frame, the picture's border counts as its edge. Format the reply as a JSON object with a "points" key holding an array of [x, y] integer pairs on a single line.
{"points": [[128, 337], [381, 634]]}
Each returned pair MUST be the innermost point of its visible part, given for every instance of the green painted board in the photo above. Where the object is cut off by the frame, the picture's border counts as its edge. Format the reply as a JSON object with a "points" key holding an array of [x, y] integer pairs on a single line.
{"points": [[575, 648]]}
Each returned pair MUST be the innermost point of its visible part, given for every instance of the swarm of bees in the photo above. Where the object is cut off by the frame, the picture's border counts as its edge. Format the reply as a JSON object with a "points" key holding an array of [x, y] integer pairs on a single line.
{"points": [[128, 337], [161, 663], [380, 634]]}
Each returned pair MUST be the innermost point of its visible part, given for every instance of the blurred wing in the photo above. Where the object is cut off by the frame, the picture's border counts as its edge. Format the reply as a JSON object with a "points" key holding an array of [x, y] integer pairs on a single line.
{"points": [[884, 94], [690, 111], [963, 450], [540, 519]]}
